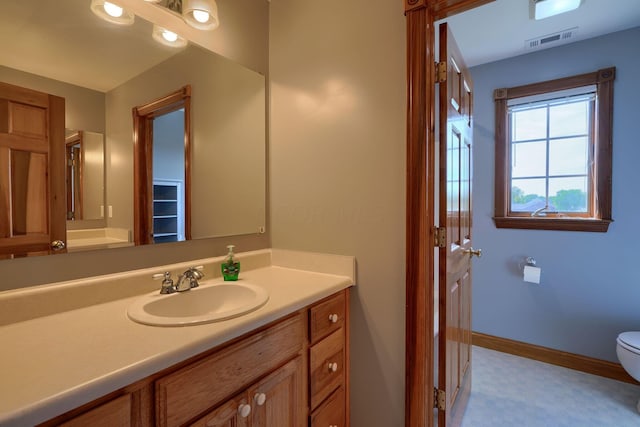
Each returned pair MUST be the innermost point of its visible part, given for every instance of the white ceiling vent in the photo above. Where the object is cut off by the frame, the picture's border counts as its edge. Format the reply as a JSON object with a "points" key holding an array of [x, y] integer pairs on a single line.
{"points": [[564, 36]]}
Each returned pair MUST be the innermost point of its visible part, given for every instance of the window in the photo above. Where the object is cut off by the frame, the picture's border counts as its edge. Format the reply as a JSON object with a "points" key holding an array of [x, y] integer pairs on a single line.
{"points": [[553, 154]]}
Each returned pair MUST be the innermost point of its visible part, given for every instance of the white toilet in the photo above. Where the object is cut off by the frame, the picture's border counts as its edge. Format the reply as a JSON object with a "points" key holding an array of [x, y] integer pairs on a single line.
{"points": [[628, 350]]}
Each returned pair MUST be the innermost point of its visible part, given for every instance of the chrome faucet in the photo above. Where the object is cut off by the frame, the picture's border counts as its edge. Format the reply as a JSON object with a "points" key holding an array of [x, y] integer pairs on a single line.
{"points": [[189, 279]]}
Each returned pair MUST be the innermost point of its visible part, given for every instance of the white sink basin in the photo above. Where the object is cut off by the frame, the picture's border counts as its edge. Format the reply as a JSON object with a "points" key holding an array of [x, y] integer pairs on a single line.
{"points": [[207, 303]]}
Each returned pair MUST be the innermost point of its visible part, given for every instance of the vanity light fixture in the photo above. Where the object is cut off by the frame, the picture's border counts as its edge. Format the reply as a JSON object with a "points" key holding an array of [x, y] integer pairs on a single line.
{"points": [[546, 8], [201, 14], [112, 12], [167, 38]]}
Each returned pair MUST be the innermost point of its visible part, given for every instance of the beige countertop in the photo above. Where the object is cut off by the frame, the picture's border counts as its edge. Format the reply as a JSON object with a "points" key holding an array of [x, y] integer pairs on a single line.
{"points": [[52, 364]]}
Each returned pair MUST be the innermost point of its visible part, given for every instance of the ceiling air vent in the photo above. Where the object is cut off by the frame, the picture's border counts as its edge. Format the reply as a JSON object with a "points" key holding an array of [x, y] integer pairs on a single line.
{"points": [[564, 36]]}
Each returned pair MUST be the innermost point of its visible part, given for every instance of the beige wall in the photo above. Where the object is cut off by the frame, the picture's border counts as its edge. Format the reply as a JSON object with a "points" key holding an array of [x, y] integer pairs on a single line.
{"points": [[92, 175], [228, 148], [337, 171]]}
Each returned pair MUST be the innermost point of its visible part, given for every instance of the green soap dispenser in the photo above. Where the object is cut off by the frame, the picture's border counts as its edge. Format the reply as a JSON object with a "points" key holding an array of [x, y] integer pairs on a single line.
{"points": [[230, 267]]}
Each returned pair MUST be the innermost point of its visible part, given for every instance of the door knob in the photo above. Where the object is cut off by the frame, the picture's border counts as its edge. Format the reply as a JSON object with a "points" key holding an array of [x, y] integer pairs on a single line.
{"points": [[472, 252], [57, 245]]}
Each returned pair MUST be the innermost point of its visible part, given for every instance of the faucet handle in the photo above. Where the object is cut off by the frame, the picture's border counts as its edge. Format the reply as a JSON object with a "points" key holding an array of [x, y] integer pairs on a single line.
{"points": [[167, 283], [196, 272]]}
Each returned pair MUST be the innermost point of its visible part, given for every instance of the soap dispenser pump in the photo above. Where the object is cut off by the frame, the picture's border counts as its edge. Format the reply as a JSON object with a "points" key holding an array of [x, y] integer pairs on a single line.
{"points": [[230, 267]]}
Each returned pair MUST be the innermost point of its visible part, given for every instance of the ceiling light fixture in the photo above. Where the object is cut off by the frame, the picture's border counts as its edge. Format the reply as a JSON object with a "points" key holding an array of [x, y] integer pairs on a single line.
{"points": [[546, 8], [111, 12], [167, 38], [201, 14]]}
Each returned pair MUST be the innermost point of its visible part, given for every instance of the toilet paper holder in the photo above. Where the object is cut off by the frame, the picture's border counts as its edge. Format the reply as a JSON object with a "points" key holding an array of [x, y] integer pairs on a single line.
{"points": [[530, 261]]}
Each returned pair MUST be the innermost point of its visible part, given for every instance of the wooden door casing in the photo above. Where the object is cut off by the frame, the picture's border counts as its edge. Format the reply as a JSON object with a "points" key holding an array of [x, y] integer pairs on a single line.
{"points": [[32, 175], [455, 127]]}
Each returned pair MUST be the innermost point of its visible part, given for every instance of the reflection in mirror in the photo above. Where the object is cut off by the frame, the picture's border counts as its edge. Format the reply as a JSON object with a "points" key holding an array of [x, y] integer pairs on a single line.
{"points": [[110, 69], [85, 175], [168, 205]]}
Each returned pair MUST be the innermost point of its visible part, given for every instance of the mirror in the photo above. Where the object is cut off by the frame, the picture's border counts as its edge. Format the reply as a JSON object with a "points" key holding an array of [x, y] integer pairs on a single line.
{"points": [[103, 71], [84, 178]]}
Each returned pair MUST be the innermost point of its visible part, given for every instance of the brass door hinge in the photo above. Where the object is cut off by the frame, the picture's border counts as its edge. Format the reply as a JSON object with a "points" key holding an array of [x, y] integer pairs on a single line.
{"points": [[440, 234], [441, 71], [439, 399]]}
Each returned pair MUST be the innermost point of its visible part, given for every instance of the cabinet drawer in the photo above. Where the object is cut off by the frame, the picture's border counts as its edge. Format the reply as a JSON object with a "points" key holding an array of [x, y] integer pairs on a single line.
{"points": [[332, 412], [184, 394], [114, 413], [326, 317], [326, 367]]}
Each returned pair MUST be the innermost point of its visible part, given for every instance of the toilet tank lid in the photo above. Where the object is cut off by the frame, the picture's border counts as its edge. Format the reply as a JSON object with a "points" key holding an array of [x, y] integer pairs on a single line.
{"points": [[631, 339]]}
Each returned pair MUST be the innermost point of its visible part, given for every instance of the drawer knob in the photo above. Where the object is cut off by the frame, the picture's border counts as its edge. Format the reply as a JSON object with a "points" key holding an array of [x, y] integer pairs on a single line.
{"points": [[333, 318], [333, 367], [260, 398], [244, 410]]}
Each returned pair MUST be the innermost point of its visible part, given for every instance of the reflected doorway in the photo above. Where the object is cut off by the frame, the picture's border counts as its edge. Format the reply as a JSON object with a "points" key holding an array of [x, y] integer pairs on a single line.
{"points": [[168, 177], [162, 153]]}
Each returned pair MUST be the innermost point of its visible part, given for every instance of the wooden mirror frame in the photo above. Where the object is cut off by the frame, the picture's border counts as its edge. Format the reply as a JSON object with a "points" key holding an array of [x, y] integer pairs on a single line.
{"points": [[419, 379]]}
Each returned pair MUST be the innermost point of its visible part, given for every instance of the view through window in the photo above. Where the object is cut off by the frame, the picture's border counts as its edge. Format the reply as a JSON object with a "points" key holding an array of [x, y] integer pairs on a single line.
{"points": [[551, 146]]}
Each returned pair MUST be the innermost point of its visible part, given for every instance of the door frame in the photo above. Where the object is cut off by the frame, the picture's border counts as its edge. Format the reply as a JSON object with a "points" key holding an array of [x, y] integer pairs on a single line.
{"points": [[143, 161], [420, 216]]}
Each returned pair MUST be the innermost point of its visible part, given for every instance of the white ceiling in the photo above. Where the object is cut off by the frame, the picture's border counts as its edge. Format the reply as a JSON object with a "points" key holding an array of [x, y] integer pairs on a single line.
{"points": [[499, 29]]}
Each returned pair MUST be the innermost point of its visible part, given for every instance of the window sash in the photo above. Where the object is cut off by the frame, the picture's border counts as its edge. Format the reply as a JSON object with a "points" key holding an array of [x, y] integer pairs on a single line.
{"points": [[546, 101]]}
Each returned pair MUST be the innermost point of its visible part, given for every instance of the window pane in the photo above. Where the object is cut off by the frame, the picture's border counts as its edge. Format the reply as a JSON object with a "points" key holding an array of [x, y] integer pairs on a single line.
{"points": [[568, 156], [528, 159], [529, 124], [568, 119], [527, 195], [568, 194]]}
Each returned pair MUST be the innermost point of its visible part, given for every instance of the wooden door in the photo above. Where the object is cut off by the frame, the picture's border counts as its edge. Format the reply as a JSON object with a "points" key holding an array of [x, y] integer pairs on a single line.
{"points": [[32, 175], [278, 400], [455, 131]]}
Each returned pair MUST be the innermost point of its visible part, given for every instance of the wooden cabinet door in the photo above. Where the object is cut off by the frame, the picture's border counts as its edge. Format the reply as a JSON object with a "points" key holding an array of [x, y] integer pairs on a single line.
{"points": [[32, 186], [229, 414], [278, 400]]}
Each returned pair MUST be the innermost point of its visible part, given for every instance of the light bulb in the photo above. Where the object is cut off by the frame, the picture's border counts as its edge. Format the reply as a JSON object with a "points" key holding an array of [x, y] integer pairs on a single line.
{"points": [[201, 16], [169, 36], [113, 10]]}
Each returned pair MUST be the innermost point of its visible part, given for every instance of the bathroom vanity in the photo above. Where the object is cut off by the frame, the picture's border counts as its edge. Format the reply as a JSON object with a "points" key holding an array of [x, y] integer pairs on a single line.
{"points": [[284, 364]]}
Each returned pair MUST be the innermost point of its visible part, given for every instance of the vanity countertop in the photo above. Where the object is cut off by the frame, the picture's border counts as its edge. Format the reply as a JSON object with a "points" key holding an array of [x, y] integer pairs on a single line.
{"points": [[52, 364]]}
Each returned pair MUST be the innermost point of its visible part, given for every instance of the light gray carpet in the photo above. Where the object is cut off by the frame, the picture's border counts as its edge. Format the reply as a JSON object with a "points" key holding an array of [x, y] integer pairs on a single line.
{"points": [[511, 391]]}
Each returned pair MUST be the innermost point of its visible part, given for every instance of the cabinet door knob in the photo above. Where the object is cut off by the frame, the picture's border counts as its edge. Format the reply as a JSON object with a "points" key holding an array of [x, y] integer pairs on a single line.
{"points": [[244, 410], [333, 367], [333, 318], [260, 398]]}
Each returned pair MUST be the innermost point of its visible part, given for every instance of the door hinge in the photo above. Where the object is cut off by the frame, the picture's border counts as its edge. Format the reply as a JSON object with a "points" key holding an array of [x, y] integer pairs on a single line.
{"points": [[439, 399], [440, 234], [441, 72]]}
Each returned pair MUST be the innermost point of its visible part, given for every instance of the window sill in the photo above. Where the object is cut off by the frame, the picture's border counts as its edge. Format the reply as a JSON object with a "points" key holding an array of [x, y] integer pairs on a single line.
{"points": [[560, 224]]}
